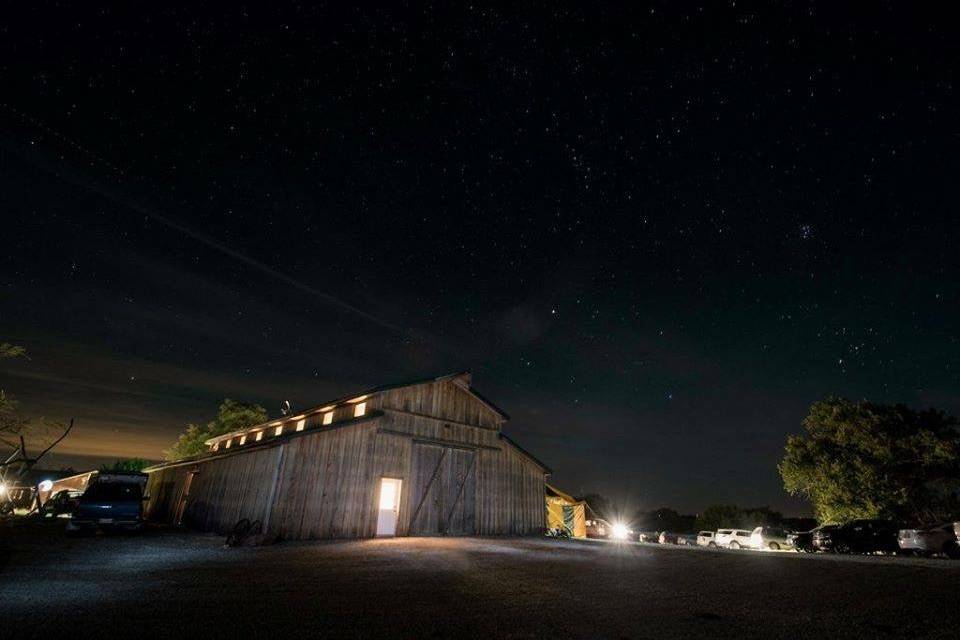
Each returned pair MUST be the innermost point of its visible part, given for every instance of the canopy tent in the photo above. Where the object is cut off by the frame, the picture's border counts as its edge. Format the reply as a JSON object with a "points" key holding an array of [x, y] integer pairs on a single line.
{"points": [[564, 512]]}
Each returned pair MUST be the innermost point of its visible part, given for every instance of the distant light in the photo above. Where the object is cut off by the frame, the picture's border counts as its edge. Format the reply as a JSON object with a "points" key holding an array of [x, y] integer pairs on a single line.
{"points": [[620, 531], [359, 410], [328, 417], [278, 430], [45, 485], [301, 424], [3, 489], [259, 436]]}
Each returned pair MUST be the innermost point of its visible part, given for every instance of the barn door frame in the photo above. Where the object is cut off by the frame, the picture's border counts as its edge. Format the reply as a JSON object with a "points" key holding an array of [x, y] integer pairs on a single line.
{"points": [[184, 496], [456, 501], [426, 489]]}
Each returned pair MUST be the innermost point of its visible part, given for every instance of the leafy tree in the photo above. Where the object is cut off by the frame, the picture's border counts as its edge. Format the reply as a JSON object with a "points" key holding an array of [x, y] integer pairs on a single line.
{"points": [[864, 460], [231, 416], [130, 464], [8, 350], [727, 516], [720, 516], [761, 516], [667, 519], [12, 422]]}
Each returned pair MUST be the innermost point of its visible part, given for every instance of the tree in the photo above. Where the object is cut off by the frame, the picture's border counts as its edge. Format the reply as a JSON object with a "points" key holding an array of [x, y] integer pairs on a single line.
{"points": [[729, 516], [865, 460], [128, 465], [667, 519], [12, 422], [231, 416], [720, 516], [8, 350]]}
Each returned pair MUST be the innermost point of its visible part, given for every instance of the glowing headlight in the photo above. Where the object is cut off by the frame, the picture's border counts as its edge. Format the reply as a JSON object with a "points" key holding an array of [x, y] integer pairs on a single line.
{"points": [[46, 485], [3, 491], [620, 531]]}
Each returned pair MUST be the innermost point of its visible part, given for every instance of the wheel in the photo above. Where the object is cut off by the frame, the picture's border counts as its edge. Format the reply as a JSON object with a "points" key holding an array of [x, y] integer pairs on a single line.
{"points": [[734, 545], [952, 550], [712, 544], [774, 546]]}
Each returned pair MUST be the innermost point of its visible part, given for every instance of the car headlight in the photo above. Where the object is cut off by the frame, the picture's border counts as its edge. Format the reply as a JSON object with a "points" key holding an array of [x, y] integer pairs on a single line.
{"points": [[620, 531]]}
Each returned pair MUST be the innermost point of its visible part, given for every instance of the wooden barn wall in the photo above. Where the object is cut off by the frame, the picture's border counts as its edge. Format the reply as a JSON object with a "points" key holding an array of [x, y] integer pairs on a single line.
{"points": [[231, 488], [325, 483], [446, 400], [510, 490]]}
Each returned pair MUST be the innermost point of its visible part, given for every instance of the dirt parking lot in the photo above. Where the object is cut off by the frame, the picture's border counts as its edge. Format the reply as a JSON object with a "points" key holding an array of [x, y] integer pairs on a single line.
{"points": [[181, 584]]}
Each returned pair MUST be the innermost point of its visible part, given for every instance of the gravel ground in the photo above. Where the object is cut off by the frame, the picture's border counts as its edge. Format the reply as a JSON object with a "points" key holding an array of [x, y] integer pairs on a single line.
{"points": [[181, 584]]}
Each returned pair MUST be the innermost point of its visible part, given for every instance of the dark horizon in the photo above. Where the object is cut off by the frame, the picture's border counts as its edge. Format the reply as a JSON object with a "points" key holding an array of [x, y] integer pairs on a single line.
{"points": [[655, 237]]}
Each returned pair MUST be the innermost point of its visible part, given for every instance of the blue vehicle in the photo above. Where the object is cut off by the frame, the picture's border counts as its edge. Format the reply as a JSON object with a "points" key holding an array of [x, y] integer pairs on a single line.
{"points": [[109, 503]]}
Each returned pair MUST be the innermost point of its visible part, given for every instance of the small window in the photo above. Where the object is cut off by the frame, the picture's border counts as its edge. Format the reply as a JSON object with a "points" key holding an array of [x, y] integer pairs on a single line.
{"points": [[359, 409], [301, 424], [259, 436], [328, 417], [226, 444], [278, 430], [216, 445], [243, 439]]}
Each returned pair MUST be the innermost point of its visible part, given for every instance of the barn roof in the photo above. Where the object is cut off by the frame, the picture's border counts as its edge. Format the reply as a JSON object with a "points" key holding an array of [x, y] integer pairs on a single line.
{"points": [[460, 378], [556, 493], [532, 457]]}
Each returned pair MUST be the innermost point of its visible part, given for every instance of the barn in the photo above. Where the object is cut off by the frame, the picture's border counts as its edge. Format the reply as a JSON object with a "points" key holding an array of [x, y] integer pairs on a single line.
{"points": [[422, 458]]}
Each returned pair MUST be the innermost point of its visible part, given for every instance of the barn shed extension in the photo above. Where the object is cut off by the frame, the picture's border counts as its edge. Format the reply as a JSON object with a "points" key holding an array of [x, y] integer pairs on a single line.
{"points": [[423, 458]]}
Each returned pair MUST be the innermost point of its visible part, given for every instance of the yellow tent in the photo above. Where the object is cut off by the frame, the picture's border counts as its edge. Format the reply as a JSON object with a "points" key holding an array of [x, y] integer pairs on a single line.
{"points": [[563, 512]]}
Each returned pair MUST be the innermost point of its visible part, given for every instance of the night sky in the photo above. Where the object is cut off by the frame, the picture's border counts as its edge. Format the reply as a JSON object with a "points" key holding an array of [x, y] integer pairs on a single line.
{"points": [[654, 236]]}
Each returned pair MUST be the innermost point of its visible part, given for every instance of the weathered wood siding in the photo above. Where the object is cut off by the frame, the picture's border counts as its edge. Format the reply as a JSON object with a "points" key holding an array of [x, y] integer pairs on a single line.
{"points": [[324, 482]]}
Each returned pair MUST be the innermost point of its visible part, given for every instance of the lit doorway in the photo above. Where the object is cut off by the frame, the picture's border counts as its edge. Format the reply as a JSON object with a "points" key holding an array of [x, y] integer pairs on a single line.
{"points": [[389, 507]]}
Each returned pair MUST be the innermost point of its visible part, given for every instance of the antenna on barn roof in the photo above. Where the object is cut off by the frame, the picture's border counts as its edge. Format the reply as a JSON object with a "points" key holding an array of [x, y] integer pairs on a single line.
{"points": [[285, 408]]}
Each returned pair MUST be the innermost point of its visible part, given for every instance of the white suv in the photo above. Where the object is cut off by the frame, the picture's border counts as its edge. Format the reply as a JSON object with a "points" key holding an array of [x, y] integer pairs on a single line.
{"points": [[705, 539], [732, 538]]}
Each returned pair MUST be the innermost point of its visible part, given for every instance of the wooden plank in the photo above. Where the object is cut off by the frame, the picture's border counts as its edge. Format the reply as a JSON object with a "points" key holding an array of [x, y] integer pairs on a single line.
{"points": [[461, 488], [428, 462]]}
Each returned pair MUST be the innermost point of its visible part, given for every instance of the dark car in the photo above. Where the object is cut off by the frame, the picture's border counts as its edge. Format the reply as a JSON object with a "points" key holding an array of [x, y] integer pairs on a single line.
{"points": [[598, 528], [668, 537], [62, 503], [803, 540], [116, 505], [859, 536]]}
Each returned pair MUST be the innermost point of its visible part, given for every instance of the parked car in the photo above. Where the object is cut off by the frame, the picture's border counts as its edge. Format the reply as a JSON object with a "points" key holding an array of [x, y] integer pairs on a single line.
{"points": [[803, 540], [687, 539], [667, 537], [733, 538], [649, 536], [772, 538], [61, 504], [705, 539], [106, 504], [598, 528], [939, 539], [859, 536]]}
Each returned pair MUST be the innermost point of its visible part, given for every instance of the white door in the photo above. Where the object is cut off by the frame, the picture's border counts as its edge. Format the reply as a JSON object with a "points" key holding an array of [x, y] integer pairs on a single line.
{"points": [[389, 506]]}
